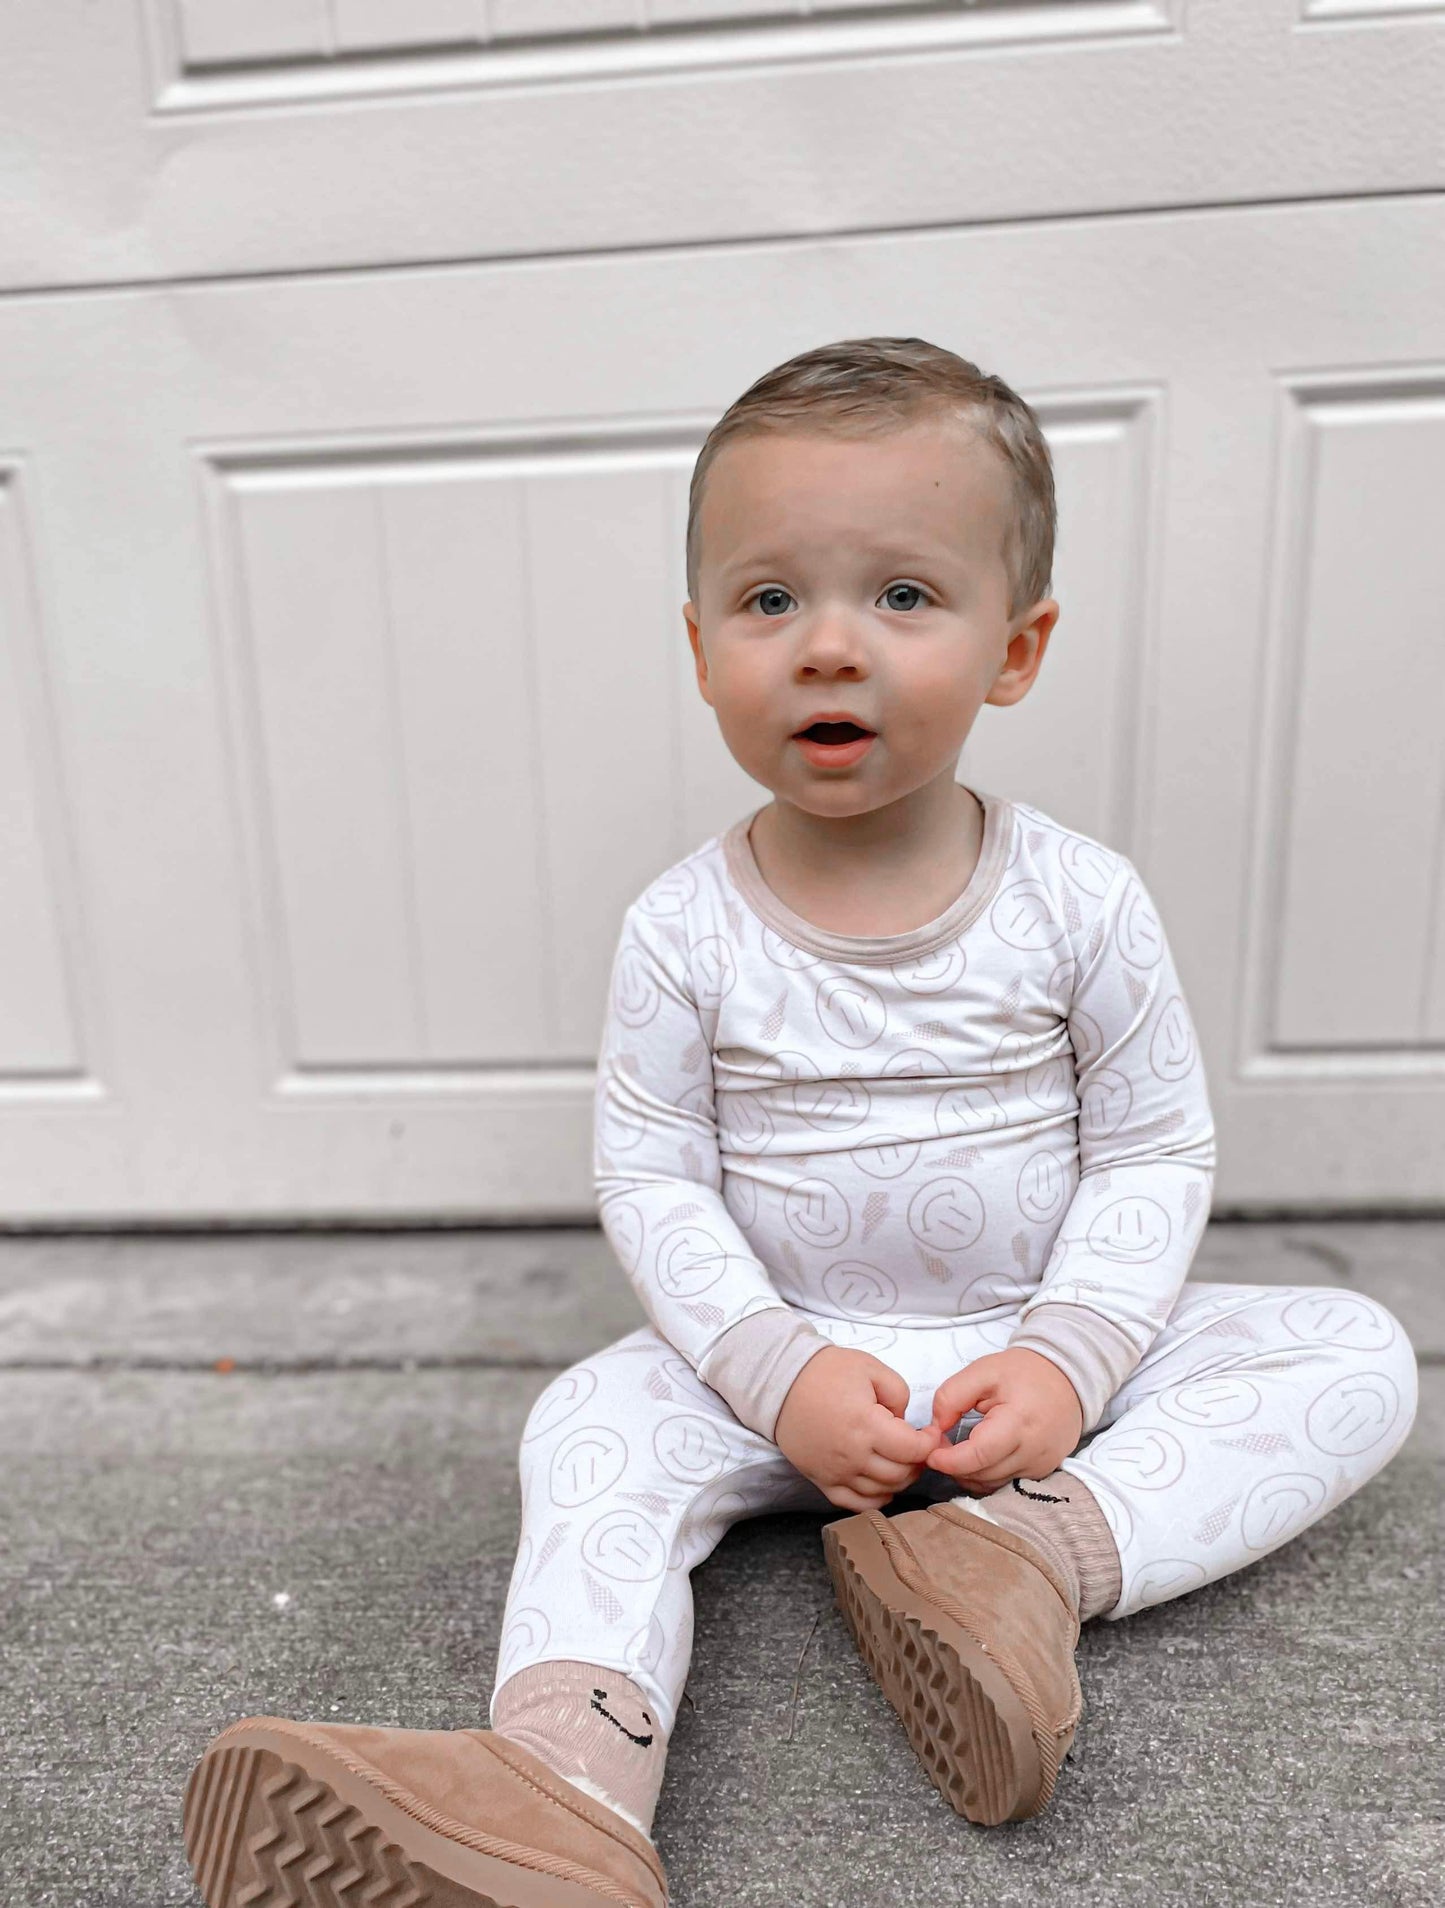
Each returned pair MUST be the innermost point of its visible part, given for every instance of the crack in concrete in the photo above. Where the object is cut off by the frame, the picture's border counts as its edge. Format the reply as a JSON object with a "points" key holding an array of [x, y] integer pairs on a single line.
{"points": [[285, 1368], [304, 1367], [1336, 1262]]}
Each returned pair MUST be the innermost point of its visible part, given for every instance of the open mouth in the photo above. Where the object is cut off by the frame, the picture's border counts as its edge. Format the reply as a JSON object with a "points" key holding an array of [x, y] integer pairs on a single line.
{"points": [[834, 732], [834, 745]]}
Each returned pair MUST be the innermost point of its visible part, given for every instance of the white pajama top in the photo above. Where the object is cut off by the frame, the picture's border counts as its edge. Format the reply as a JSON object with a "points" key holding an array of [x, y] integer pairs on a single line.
{"points": [[1002, 1113]]}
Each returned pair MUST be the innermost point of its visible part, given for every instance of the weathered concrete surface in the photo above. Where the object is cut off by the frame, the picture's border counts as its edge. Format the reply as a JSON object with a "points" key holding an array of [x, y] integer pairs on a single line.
{"points": [[179, 1547], [552, 1294], [340, 1298]]}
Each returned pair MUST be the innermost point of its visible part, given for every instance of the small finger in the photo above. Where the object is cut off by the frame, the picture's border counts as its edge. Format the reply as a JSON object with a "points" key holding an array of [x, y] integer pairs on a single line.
{"points": [[996, 1476], [855, 1500], [977, 1457], [887, 1471], [872, 1488], [990, 1440], [890, 1388], [961, 1392], [892, 1438]]}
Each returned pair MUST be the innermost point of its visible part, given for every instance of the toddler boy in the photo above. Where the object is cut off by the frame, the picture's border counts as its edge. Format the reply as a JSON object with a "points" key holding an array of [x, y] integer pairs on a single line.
{"points": [[902, 1132]]}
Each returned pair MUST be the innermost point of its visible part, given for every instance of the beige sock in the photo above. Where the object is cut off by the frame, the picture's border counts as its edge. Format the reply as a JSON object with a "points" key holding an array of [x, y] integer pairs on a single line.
{"points": [[594, 1726], [1062, 1517]]}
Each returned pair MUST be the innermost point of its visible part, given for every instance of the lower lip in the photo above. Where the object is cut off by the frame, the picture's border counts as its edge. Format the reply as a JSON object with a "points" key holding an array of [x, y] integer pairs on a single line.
{"points": [[835, 754]]}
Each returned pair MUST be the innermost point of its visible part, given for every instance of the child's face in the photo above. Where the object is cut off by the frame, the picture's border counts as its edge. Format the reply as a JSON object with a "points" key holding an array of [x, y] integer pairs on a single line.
{"points": [[864, 575]]}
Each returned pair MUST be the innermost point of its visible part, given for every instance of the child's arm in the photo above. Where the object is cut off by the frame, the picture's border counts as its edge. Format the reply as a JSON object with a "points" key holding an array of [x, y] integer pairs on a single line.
{"points": [[1146, 1155], [658, 1175]]}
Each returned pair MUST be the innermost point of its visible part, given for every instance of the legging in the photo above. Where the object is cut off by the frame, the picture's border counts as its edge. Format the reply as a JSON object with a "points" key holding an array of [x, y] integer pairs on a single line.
{"points": [[1256, 1411]]}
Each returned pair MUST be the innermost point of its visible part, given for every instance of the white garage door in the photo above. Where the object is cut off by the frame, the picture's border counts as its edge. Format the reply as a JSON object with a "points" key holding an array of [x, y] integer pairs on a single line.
{"points": [[353, 358]]}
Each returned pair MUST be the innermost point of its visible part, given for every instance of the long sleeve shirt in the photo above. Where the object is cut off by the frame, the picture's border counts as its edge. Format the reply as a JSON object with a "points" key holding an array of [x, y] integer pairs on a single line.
{"points": [[1001, 1114]]}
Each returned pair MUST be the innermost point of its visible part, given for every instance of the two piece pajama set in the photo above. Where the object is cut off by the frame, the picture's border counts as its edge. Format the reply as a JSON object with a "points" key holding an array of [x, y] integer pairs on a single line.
{"points": [[990, 1130]]}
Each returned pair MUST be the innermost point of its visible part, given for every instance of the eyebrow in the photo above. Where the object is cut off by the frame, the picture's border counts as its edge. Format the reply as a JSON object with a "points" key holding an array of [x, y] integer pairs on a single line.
{"points": [[886, 553]]}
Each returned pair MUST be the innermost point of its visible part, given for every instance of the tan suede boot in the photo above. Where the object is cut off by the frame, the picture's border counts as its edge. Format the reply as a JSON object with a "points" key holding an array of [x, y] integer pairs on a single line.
{"points": [[970, 1633], [283, 1814]]}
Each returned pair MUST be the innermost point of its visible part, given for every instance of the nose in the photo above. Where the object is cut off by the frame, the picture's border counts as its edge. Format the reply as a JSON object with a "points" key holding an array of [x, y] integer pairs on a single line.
{"points": [[831, 642]]}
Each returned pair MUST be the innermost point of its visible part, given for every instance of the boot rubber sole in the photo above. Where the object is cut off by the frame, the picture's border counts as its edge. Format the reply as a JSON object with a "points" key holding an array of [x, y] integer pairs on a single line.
{"points": [[273, 1819], [966, 1722]]}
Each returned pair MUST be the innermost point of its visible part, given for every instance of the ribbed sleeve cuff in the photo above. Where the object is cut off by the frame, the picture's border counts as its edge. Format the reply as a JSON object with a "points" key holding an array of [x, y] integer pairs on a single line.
{"points": [[1094, 1353], [753, 1365]]}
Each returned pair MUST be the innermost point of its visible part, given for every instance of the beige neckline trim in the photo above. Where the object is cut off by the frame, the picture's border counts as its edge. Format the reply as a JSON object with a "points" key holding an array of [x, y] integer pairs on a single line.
{"points": [[876, 948]]}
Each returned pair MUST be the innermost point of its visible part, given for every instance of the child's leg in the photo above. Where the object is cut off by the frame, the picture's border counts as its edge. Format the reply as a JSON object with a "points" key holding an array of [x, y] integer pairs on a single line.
{"points": [[631, 1469], [1257, 1410]]}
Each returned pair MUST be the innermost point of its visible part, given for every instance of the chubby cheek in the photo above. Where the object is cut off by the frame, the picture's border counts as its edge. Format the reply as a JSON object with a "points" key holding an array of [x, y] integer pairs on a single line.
{"points": [[750, 710], [931, 716]]}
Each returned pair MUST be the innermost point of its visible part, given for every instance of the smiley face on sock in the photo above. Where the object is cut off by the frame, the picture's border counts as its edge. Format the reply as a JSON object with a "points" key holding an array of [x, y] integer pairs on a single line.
{"points": [[599, 1698]]}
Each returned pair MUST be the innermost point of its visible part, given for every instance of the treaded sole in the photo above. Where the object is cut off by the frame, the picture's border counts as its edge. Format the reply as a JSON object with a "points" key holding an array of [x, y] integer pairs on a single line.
{"points": [[264, 1831], [965, 1721]]}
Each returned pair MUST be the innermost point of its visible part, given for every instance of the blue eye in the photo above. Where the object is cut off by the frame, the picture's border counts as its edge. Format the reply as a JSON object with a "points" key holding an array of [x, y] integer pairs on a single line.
{"points": [[781, 597], [773, 591], [901, 586]]}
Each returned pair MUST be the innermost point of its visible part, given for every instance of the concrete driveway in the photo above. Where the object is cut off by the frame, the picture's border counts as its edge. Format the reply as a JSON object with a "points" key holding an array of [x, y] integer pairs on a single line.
{"points": [[276, 1473]]}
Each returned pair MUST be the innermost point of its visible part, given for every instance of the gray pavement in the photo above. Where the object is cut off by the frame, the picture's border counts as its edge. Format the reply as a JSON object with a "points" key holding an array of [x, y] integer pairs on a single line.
{"points": [[277, 1473]]}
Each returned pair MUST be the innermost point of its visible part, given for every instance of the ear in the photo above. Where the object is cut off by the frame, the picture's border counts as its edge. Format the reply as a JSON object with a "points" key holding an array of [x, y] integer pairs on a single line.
{"points": [[694, 636], [1025, 654]]}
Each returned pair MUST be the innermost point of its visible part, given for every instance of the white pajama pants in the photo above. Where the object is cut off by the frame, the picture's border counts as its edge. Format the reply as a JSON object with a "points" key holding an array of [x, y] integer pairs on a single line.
{"points": [[1256, 1411]]}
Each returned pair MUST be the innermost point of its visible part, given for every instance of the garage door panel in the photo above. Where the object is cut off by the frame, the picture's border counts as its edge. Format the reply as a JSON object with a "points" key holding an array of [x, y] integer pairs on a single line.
{"points": [[472, 723], [41, 1040], [1357, 765], [435, 657], [1075, 742], [197, 138]]}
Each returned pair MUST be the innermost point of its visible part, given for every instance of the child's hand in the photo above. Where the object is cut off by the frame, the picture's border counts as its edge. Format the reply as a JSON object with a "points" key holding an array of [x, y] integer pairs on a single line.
{"points": [[842, 1426], [1032, 1419]]}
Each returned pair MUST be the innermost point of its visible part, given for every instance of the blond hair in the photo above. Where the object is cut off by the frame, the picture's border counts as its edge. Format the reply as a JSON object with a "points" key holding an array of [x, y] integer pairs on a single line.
{"points": [[860, 386]]}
